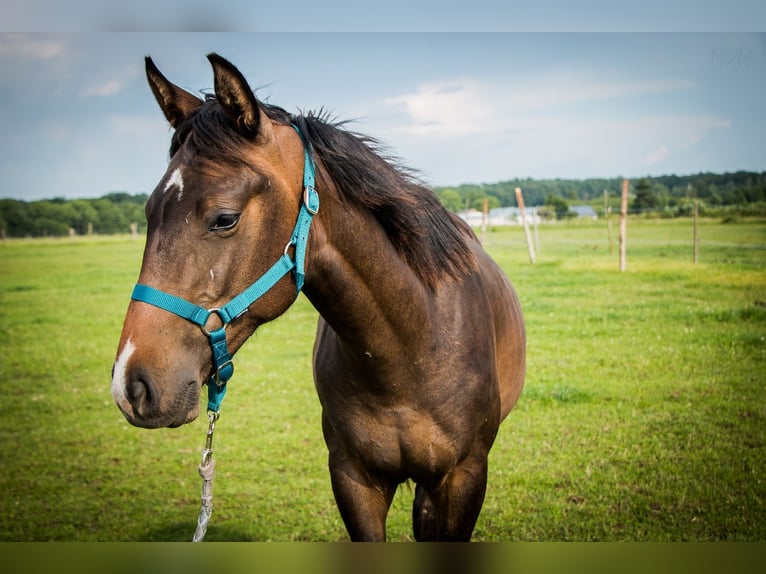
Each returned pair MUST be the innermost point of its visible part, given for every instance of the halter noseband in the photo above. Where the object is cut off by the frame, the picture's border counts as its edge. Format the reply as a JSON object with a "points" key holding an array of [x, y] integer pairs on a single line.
{"points": [[222, 361]]}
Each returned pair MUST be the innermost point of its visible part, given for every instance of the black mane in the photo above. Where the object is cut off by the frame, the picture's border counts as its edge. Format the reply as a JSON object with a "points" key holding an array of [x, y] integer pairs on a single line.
{"points": [[426, 236], [431, 240]]}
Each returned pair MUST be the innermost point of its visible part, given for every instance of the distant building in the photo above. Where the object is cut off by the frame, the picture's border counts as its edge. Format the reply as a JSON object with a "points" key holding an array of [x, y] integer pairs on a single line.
{"points": [[499, 216], [504, 216], [584, 211]]}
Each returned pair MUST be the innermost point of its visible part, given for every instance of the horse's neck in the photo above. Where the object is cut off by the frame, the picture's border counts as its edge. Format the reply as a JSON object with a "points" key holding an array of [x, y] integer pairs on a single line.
{"points": [[359, 283]]}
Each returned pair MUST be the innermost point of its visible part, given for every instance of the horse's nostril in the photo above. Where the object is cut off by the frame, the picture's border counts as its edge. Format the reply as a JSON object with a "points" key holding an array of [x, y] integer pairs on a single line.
{"points": [[138, 392]]}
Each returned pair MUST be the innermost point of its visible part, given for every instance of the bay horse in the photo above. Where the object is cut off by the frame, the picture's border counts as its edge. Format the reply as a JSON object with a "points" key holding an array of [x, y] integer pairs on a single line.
{"points": [[420, 345]]}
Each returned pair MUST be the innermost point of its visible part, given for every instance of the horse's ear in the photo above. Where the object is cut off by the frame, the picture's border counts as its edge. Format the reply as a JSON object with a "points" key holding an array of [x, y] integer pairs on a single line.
{"points": [[235, 96], [175, 103]]}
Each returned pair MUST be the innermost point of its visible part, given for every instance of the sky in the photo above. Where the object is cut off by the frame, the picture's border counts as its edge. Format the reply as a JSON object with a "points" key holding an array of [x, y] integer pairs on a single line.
{"points": [[79, 120]]}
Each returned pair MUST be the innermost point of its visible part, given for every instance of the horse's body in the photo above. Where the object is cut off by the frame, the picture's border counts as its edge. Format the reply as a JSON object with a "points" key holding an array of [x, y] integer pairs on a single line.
{"points": [[420, 348]]}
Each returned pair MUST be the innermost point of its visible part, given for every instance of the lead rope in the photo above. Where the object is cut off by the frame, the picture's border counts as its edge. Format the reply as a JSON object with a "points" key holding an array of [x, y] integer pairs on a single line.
{"points": [[207, 472], [224, 368]]}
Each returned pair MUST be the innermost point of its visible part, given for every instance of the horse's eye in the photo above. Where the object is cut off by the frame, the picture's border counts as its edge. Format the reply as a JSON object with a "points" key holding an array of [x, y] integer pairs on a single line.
{"points": [[225, 221]]}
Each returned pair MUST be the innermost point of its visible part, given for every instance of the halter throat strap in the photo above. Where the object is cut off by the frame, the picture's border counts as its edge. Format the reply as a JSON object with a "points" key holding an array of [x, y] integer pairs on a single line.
{"points": [[223, 367]]}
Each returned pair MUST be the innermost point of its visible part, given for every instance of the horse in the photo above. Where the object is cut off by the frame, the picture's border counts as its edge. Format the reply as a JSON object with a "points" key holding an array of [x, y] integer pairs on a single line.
{"points": [[420, 343]]}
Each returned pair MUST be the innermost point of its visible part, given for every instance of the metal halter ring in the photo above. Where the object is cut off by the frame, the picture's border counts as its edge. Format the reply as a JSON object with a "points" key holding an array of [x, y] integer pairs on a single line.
{"points": [[212, 311]]}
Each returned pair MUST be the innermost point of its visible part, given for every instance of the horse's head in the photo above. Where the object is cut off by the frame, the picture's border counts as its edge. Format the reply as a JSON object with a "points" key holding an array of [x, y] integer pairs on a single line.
{"points": [[218, 219]]}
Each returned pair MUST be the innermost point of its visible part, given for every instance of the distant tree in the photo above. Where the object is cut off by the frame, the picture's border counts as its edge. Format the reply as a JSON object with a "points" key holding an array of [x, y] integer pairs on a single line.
{"points": [[736, 188], [16, 216], [119, 197], [450, 199], [492, 202], [84, 214], [662, 193], [546, 213], [110, 218], [50, 218], [645, 198], [558, 205]]}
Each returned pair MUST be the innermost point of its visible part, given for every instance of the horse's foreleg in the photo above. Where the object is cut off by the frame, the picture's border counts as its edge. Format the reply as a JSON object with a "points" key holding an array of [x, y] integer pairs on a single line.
{"points": [[362, 500], [423, 516], [450, 511]]}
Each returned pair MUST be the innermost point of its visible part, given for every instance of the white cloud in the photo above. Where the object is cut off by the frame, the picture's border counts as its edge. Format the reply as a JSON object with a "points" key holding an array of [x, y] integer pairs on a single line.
{"points": [[545, 146], [656, 155], [102, 90], [121, 124], [556, 125], [465, 106], [30, 46], [449, 108], [564, 88], [629, 145]]}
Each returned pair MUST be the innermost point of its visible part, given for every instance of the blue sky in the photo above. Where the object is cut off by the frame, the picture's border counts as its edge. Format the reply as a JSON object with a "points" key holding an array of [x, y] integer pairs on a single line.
{"points": [[79, 120], [388, 16]]}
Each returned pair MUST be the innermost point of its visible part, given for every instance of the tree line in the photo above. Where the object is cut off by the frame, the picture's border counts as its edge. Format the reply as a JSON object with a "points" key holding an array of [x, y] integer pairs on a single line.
{"points": [[668, 195], [113, 213]]}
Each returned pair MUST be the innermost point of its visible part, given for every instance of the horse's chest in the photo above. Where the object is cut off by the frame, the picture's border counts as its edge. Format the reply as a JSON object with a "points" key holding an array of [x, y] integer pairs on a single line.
{"points": [[396, 417], [400, 441]]}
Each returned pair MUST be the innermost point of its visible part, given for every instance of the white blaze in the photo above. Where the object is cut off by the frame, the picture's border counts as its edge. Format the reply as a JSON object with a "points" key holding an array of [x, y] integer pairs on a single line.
{"points": [[177, 180], [120, 376]]}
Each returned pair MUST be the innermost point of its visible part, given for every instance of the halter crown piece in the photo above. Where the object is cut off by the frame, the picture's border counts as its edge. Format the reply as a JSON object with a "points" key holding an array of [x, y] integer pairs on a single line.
{"points": [[223, 367]]}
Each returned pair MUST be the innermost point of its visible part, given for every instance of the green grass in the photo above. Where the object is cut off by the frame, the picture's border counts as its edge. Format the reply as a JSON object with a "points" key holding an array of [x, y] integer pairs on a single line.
{"points": [[643, 417]]}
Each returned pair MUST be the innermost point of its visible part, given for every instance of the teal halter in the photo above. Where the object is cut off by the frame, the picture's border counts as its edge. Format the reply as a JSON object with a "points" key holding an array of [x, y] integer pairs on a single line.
{"points": [[222, 361]]}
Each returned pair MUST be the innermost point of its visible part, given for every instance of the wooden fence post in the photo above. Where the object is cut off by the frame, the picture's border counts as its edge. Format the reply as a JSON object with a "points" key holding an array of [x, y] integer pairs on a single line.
{"points": [[530, 247], [607, 214], [609, 228], [695, 258], [624, 224]]}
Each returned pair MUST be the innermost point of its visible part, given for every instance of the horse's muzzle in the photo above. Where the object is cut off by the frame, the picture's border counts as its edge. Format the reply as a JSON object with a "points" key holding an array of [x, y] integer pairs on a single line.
{"points": [[142, 410], [152, 401]]}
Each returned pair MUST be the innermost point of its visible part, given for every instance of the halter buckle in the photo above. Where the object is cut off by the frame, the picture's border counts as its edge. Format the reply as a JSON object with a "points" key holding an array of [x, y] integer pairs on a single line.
{"points": [[217, 373], [310, 199]]}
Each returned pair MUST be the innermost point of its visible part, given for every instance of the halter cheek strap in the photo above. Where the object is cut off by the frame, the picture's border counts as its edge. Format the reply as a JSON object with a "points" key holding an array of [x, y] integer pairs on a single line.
{"points": [[223, 367]]}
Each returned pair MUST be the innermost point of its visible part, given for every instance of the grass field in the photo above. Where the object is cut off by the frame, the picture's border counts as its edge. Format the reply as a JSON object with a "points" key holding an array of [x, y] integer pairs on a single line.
{"points": [[643, 417]]}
